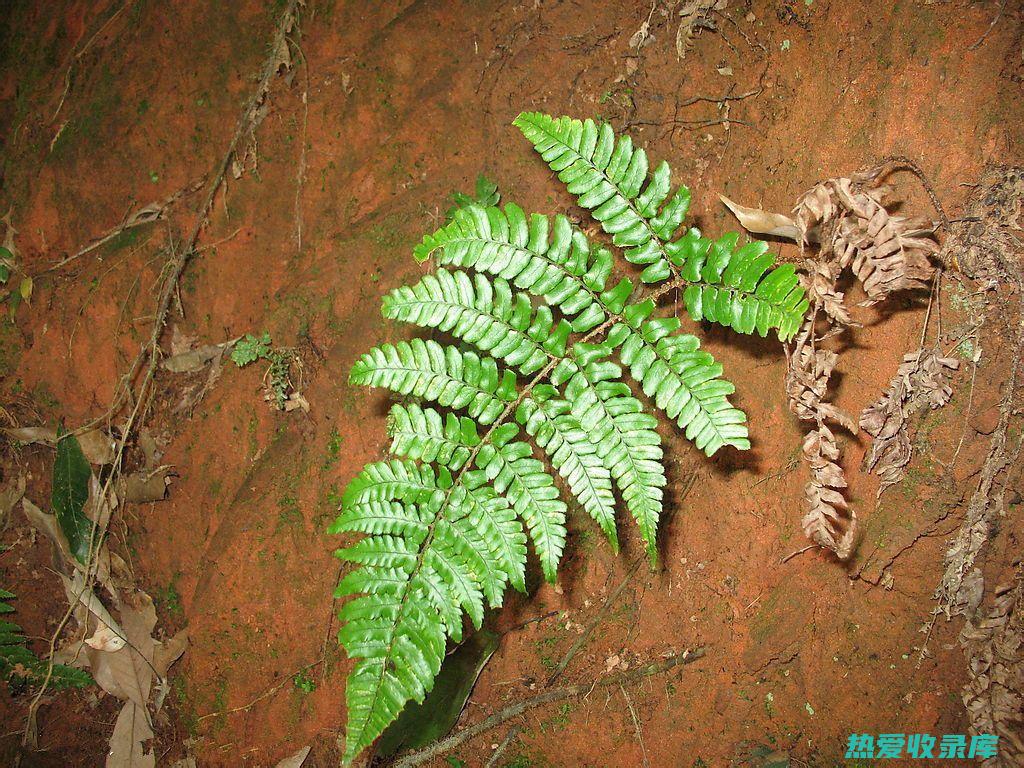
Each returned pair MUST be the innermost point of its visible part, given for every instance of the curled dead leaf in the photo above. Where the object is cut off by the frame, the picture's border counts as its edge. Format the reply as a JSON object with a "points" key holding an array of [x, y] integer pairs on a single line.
{"points": [[195, 359], [108, 635], [145, 486], [47, 525], [763, 222], [296, 760]]}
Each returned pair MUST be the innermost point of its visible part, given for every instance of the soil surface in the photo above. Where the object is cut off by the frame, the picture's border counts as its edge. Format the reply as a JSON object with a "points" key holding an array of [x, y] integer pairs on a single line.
{"points": [[388, 108]]}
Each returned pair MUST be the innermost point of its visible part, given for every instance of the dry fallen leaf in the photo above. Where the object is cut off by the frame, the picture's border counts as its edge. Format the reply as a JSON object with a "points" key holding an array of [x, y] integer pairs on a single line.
{"points": [[144, 486], [98, 447], [194, 359], [763, 222], [296, 760], [181, 342], [108, 636], [47, 525], [131, 729]]}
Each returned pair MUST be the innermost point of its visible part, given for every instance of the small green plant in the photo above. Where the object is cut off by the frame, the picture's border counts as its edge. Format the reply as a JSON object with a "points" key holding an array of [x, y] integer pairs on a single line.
{"points": [[251, 348], [552, 336], [485, 195], [21, 668], [277, 380], [304, 683], [13, 289]]}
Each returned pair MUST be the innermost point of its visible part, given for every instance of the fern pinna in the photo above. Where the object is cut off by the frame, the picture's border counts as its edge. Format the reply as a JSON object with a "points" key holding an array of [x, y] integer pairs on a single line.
{"points": [[543, 335]]}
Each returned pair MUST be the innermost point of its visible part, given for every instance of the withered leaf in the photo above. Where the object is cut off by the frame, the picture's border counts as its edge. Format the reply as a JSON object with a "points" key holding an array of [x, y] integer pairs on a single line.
{"points": [[763, 222], [921, 382]]}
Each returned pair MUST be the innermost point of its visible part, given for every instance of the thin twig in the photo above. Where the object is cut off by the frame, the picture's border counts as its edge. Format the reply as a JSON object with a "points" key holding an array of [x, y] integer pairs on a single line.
{"points": [[547, 697], [513, 732], [991, 26], [636, 725], [582, 639], [77, 57], [268, 692], [300, 175], [145, 215], [791, 555]]}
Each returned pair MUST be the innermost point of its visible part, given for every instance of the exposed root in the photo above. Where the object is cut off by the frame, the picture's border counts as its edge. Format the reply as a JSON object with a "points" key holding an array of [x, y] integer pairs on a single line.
{"points": [[147, 361], [146, 215]]}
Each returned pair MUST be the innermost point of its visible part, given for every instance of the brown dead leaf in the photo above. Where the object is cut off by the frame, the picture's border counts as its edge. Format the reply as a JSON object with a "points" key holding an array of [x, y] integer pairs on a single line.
{"points": [[296, 401], [98, 447], [126, 742], [128, 673], [144, 486], [181, 342], [296, 760], [194, 359], [108, 636], [763, 222], [168, 652], [47, 525]]}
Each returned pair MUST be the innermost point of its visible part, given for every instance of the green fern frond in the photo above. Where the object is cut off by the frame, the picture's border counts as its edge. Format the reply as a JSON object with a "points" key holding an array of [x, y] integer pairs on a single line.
{"points": [[510, 468], [483, 313], [571, 451], [626, 441], [424, 434], [733, 286], [394, 481], [610, 178], [445, 526], [19, 666], [445, 375], [684, 382]]}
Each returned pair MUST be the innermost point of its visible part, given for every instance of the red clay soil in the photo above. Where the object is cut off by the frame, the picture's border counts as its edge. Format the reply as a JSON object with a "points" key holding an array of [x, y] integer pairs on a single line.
{"points": [[399, 104]]}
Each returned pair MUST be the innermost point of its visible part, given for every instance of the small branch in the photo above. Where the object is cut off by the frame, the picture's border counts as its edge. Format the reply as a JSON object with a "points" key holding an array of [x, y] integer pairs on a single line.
{"points": [[636, 725], [513, 732], [269, 692], [145, 215], [547, 697], [582, 639], [77, 57], [719, 99], [300, 175], [991, 26], [791, 555]]}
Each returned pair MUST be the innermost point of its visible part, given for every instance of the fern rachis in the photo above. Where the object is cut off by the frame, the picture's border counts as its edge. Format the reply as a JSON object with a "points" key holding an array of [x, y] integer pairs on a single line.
{"points": [[446, 524]]}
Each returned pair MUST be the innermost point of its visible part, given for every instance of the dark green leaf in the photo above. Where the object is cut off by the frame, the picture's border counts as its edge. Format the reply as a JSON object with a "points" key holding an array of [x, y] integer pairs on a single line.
{"points": [[420, 724], [71, 473]]}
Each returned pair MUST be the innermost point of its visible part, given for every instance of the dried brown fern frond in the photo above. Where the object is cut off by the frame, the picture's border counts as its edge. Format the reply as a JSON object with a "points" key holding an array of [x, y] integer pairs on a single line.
{"points": [[887, 253], [922, 382], [994, 695], [829, 521], [692, 15], [848, 220]]}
